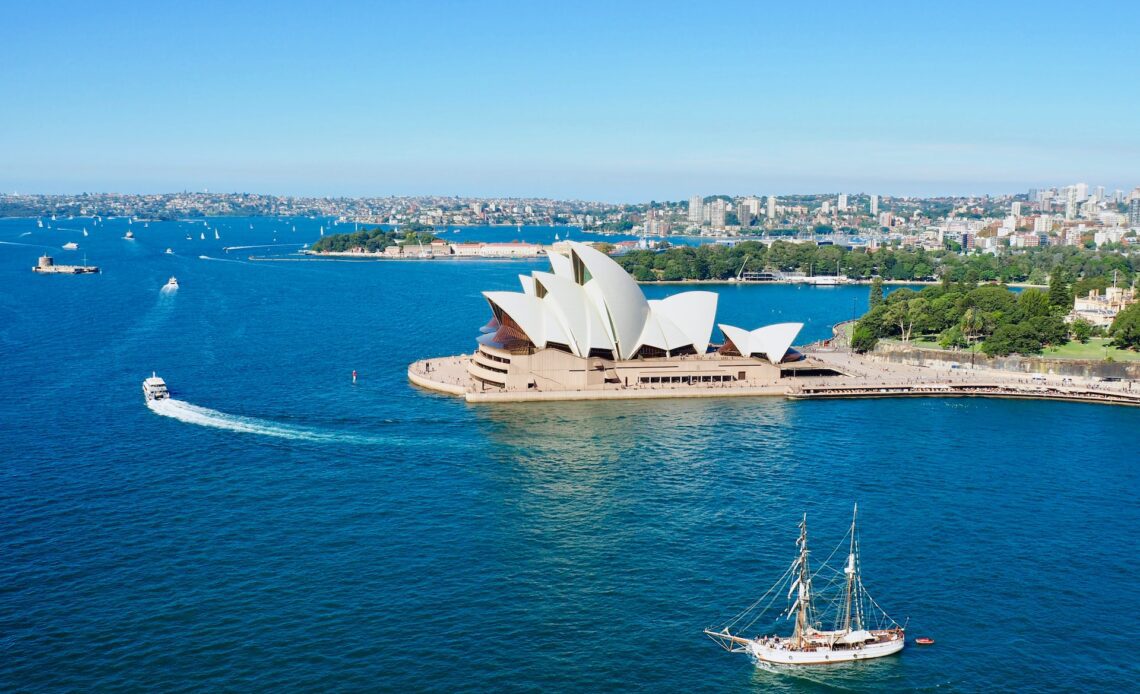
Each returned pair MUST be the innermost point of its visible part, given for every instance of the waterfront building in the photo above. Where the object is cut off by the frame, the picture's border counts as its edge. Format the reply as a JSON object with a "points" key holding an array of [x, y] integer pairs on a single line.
{"points": [[1101, 310], [586, 325], [696, 209]]}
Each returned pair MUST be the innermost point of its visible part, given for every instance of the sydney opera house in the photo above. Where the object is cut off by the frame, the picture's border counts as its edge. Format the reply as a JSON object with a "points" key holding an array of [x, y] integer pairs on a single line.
{"points": [[586, 326]]}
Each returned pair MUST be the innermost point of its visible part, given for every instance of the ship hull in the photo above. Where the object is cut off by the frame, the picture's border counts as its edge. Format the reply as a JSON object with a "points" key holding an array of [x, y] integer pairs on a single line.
{"points": [[823, 655]]}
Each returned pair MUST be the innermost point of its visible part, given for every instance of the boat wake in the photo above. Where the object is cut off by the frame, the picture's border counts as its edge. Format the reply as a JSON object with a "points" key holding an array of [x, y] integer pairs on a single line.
{"points": [[204, 416], [227, 249], [222, 260]]}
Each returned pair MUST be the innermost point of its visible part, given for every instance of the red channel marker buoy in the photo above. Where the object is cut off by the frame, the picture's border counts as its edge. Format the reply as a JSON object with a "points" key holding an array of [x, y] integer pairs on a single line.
{"points": [[924, 641]]}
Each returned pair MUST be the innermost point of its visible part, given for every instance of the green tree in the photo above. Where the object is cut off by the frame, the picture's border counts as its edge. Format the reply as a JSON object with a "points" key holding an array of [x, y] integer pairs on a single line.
{"points": [[863, 339], [972, 324], [951, 337], [876, 291], [1059, 294], [1082, 330], [1125, 329]]}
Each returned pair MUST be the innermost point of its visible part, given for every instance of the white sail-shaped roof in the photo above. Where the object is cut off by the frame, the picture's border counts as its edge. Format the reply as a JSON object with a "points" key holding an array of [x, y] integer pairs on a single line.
{"points": [[568, 301], [693, 313], [588, 304], [773, 341], [615, 294]]}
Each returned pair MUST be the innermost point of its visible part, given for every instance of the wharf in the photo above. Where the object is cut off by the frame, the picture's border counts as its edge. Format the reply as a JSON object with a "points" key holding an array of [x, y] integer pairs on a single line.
{"points": [[966, 390]]}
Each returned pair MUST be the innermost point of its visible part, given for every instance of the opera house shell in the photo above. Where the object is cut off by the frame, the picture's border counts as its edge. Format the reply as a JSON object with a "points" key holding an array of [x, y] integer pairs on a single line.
{"points": [[586, 323]]}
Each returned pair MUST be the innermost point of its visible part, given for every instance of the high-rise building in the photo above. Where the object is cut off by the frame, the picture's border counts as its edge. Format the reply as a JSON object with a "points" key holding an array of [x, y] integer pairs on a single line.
{"points": [[1118, 196], [696, 209], [771, 207], [1082, 190], [842, 202], [752, 204], [1071, 203], [717, 210], [874, 205], [1015, 209], [1042, 224], [1100, 192], [1134, 209]]}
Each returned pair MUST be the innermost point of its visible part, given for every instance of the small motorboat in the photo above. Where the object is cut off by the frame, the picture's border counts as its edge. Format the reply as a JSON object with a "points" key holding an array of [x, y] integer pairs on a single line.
{"points": [[130, 235], [70, 246], [171, 284], [169, 251], [154, 388], [924, 641]]}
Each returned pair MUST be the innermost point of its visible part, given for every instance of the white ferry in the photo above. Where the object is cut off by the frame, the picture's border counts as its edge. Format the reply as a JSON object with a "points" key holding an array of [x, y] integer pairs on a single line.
{"points": [[154, 388], [70, 246]]}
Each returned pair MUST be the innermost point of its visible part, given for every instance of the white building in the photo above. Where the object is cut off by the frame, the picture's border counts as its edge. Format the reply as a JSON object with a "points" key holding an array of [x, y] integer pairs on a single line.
{"points": [[717, 210], [696, 209], [771, 207], [586, 325], [842, 202], [874, 205]]}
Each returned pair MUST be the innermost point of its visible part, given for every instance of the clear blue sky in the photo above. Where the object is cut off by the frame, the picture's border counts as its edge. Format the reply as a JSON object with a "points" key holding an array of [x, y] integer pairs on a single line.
{"points": [[613, 100]]}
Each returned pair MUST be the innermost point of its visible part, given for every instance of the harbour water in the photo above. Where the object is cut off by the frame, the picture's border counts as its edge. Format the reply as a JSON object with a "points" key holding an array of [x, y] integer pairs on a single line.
{"points": [[278, 527]]}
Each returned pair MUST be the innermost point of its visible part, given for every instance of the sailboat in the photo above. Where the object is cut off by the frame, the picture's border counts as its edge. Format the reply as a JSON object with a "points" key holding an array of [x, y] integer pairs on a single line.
{"points": [[851, 626], [216, 236], [202, 236], [322, 231], [40, 223], [85, 231]]}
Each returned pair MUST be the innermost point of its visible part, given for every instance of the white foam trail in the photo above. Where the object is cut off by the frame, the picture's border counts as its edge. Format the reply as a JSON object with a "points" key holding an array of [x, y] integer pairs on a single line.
{"points": [[167, 289], [227, 249], [26, 233], [204, 416], [222, 260]]}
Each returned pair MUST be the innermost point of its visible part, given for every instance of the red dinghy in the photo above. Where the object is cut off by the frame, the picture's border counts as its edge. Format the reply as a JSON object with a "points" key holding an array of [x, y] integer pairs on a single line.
{"points": [[924, 641]]}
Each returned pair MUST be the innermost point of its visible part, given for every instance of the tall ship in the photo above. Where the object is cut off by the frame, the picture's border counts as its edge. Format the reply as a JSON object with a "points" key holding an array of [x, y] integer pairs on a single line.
{"points": [[838, 623]]}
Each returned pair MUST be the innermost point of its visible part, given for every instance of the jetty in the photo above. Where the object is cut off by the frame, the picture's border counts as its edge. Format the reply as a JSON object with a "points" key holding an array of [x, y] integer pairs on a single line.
{"points": [[47, 266]]}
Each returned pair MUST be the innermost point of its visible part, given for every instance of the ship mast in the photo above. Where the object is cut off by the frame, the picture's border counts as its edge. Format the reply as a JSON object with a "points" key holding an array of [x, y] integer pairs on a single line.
{"points": [[852, 572], [803, 583]]}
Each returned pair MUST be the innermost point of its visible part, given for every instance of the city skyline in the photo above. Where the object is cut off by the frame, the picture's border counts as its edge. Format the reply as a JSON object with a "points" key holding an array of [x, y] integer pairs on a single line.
{"points": [[616, 104]]}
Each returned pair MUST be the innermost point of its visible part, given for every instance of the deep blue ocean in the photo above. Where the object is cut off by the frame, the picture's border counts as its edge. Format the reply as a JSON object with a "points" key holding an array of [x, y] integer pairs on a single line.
{"points": [[286, 529]]}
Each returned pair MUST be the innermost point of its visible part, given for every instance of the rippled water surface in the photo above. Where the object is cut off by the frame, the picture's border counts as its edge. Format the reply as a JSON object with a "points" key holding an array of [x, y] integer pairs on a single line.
{"points": [[277, 527]]}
